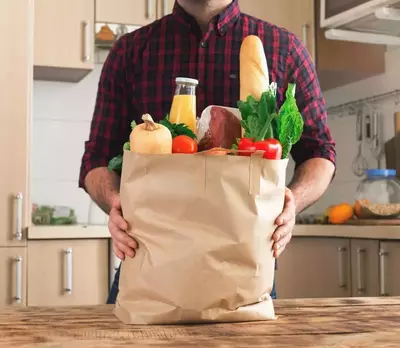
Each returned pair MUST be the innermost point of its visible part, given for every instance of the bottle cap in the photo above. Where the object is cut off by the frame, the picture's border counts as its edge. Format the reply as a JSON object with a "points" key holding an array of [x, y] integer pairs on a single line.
{"points": [[186, 81]]}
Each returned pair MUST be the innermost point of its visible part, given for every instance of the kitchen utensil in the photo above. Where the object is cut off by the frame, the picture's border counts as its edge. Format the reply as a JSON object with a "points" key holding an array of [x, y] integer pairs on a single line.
{"points": [[360, 163], [392, 147], [376, 148]]}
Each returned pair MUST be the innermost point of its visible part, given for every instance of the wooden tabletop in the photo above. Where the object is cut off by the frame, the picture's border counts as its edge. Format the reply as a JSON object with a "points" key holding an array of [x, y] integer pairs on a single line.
{"points": [[344, 323]]}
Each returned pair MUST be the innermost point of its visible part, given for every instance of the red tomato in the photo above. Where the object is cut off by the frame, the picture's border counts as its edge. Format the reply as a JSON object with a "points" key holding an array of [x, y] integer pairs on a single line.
{"points": [[184, 144], [247, 145], [272, 148]]}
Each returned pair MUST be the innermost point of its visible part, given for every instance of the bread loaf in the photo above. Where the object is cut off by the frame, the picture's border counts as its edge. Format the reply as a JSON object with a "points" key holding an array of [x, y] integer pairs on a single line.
{"points": [[254, 79]]}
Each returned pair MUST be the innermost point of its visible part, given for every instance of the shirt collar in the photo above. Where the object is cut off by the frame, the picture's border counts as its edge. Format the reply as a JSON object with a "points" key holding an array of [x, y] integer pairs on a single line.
{"points": [[225, 19]]}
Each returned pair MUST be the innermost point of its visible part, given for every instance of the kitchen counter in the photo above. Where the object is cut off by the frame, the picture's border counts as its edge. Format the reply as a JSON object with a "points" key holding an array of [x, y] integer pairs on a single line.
{"points": [[347, 322], [341, 231]]}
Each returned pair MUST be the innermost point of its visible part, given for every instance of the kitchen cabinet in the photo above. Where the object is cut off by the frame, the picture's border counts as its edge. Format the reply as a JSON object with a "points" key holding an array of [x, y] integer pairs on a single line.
{"points": [[68, 272], [337, 62], [13, 275], [63, 39], [365, 267], [314, 267], [389, 254], [15, 100]]}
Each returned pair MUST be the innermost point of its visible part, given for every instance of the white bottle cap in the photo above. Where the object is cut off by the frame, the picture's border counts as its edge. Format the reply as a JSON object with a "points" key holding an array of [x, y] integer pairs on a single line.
{"points": [[186, 81]]}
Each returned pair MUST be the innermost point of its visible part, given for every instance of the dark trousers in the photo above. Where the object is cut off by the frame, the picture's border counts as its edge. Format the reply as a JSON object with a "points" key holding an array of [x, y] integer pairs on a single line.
{"points": [[112, 296]]}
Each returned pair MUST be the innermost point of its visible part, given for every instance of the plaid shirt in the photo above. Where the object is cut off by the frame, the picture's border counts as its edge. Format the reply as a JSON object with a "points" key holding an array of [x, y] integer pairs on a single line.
{"points": [[139, 77]]}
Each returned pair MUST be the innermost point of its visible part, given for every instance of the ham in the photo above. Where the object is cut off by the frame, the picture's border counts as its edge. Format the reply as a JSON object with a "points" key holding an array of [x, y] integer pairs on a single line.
{"points": [[223, 130]]}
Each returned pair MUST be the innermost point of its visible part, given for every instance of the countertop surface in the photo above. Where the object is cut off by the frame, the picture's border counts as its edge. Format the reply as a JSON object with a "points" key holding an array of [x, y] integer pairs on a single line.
{"points": [[345, 323], [341, 231]]}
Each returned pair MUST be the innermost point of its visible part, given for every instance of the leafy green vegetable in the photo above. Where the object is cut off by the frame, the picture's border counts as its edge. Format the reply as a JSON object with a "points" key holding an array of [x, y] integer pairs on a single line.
{"points": [[257, 116], [177, 128], [289, 123]]}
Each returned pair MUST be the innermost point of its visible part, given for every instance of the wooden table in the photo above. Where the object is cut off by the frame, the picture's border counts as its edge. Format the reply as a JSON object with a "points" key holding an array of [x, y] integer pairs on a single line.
{"points": [[339, 323]]}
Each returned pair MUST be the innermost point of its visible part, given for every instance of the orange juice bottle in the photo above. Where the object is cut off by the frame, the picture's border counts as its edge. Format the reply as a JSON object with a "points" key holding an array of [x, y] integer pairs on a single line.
{"points": [[183, 109]]}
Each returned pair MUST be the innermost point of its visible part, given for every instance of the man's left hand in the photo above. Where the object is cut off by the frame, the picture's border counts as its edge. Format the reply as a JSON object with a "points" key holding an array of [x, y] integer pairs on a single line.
{"points": [[285, 222]]}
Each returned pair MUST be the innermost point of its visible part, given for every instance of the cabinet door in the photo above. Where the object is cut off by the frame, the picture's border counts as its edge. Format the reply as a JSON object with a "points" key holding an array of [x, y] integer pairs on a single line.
{"points": [[389, 268], [312, 267], [64, 37], [67, 272], [12, 276], [130, 12], [365, 267], [16, 86]]}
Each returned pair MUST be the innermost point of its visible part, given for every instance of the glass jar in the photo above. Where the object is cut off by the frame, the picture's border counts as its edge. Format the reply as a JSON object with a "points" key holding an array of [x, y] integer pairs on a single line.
{"points": [[183, 109], [378, 195]]}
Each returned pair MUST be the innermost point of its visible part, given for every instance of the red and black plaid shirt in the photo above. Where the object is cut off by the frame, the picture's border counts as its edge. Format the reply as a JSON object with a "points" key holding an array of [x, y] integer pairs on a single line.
{"points": [[139, 77]]}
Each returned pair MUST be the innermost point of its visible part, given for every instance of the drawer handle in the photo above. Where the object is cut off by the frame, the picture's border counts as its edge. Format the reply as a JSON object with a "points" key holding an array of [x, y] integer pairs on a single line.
{"points": [[149, 9], [383, 254], [166, 2], [360, 270], [18, 295], [342, 278], [86, 40], [68, 287], [18, 232]]}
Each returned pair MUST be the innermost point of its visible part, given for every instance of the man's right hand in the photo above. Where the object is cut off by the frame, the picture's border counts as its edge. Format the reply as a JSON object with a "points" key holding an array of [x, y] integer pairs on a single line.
{"points": [[123, 244]]}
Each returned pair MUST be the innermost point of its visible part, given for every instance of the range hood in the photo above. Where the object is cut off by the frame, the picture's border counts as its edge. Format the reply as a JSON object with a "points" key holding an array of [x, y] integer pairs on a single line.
{"points": [[373, 22]]}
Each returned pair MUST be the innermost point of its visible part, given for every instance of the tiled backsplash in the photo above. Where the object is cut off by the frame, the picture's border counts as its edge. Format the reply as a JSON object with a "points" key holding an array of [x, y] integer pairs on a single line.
{"points": [[61, 119]]}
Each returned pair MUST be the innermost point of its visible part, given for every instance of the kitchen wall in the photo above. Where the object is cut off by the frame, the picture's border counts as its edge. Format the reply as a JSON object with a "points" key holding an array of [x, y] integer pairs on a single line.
{"points": [[61, 121]]}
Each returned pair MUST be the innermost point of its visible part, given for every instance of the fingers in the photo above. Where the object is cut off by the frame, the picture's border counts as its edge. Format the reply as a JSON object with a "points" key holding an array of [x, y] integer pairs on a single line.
{"points": [[123, 244], [288, 209], [280, 245]]}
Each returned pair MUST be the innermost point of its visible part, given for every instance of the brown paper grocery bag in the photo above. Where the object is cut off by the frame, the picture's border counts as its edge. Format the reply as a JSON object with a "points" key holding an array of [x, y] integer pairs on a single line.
{"points": [[204, 226]]}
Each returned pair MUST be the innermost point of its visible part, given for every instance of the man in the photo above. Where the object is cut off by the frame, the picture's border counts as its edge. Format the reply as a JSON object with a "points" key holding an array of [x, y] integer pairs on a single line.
{"points": [[201, 39]]}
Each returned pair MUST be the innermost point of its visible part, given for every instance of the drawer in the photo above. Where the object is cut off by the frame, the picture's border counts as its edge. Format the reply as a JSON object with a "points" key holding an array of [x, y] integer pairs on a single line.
{"points": [[67, 272]]}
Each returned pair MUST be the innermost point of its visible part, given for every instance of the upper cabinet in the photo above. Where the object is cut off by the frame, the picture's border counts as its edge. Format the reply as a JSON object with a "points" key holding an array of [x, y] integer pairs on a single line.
{"points": [[64, 39], [337, 62], [15, 97]]}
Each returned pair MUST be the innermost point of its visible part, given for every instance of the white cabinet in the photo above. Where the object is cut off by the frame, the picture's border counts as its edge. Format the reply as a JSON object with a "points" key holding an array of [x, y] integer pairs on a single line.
{"points": [[68, 272], [64, 39], [389, 272], [15, 100]]}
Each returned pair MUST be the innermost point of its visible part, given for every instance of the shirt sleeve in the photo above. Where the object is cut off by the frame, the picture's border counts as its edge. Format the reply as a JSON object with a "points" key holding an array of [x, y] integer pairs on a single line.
{"points": [[316, 140], [109, 128]]}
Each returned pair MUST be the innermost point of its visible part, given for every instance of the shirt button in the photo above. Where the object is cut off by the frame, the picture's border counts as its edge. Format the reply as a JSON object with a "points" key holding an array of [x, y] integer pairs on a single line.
{"points": [[203, 44], [222, 31]]}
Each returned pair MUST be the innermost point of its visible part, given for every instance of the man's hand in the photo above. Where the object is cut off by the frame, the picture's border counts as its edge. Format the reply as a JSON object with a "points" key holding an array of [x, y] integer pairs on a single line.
{"points": [[285, 222], [123, 244]]}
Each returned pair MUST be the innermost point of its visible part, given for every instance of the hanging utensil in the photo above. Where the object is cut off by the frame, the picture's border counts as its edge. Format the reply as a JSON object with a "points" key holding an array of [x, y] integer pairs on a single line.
{"points": [[360, 163], [376, 148]]}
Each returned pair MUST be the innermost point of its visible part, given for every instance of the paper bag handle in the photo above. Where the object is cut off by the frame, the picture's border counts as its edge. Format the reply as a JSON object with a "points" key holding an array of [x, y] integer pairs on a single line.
{"points": [[255, 172]]}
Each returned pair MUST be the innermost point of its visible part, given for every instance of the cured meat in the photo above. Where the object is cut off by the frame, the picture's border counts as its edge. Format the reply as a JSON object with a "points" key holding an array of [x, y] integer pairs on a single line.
{"points": [[223, 130]]}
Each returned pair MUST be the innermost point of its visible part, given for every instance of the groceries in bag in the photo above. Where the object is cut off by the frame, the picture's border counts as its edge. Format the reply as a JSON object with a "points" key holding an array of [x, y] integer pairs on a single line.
{"points": [[204, 224]]}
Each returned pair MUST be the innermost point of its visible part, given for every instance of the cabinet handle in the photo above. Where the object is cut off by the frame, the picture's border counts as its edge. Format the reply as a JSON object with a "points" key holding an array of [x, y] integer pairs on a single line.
{"points": [[305, 28], [383, 254], [86, 41], [68, 253], [360, 270], [150, 9], [18, 294], [18, 232], [165, 2], [342, 278]]}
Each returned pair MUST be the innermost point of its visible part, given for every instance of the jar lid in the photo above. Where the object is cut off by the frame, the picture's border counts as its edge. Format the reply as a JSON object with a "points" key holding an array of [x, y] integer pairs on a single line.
{"points": [[381, 172], [186, 80]]}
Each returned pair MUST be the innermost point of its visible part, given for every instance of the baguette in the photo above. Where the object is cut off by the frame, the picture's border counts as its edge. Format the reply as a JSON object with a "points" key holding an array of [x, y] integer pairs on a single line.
{"points": [[254, 79]]}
